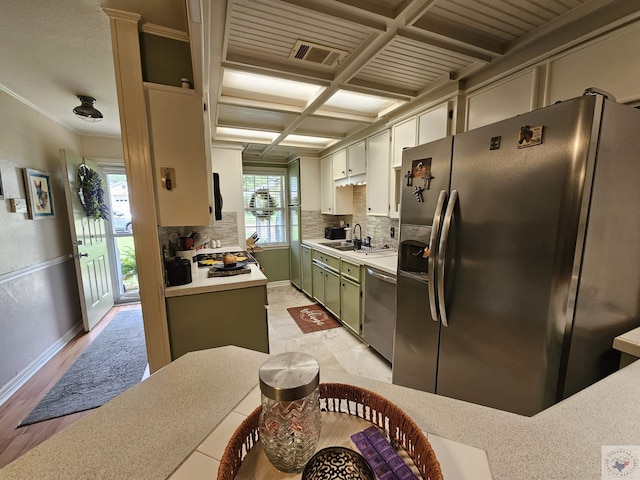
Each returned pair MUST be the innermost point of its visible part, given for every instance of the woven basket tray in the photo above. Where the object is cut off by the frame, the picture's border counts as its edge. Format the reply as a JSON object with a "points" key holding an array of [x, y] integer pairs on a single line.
{"points": [[337, 397]]}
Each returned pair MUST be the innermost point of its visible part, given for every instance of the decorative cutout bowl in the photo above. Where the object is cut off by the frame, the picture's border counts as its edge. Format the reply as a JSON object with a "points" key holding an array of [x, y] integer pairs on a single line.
{"points": [[337, 463]]}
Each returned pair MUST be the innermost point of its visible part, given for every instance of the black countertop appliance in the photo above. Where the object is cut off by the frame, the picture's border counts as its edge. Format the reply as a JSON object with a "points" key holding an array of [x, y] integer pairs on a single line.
{"points": [[335, 233], [178, 271]]}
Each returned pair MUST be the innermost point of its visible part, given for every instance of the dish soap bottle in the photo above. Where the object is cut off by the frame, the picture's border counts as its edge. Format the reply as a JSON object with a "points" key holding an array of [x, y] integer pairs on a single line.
{"points": [[347, 233]]}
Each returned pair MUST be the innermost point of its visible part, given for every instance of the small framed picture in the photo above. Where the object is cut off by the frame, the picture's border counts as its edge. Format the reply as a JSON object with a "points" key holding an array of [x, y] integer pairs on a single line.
{"points": [[39, 197]]}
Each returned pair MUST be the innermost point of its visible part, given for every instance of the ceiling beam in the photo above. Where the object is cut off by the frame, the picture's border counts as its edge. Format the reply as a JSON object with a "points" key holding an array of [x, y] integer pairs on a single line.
{"points": [[451, 34], [443, 46], [352, 11], [273, 67]]}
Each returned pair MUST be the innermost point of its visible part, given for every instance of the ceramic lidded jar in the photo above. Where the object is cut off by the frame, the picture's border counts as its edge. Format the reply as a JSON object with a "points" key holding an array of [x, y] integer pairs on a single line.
{"points": [[290, 419]]}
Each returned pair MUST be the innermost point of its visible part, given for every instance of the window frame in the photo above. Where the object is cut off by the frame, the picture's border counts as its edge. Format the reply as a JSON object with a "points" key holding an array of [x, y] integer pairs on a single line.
{"points": [[273, 172]]}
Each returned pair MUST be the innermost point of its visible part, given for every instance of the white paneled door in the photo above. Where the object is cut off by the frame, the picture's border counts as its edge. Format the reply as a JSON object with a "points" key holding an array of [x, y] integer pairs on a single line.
{"points": [[90, 252]]}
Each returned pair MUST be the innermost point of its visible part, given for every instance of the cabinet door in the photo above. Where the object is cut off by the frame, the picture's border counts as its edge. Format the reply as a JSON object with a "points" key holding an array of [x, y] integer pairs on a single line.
{"points": [[307, 282], [350, 305], [332, 292], [378, 151], [433, 125], [404, 135], [176, 137], [317, 273], [340, 165], [356, 159], [208, 320], [326, 185]]}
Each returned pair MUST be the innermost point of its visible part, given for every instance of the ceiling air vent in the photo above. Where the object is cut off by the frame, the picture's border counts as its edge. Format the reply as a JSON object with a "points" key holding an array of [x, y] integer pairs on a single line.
{"points": [[317, 54]]}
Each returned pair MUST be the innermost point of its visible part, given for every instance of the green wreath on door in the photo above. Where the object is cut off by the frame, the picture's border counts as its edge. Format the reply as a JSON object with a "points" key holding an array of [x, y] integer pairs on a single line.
{"points": [[262, 203]]}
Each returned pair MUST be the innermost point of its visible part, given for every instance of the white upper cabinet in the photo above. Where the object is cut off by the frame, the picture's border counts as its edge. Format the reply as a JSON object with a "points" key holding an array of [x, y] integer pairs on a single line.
{"points": [[177, 141], [340, 164], [350, 161], [356, 159], [378, 162], [404, 135], [326, 185], [434, 124], [333, 200]]}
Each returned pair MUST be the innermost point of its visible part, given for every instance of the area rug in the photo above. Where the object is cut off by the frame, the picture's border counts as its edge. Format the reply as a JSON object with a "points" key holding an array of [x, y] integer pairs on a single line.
{"points": [[312, 318], [112, 363]]}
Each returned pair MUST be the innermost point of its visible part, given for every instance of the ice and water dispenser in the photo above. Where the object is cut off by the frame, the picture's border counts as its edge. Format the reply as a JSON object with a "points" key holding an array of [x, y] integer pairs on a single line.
{"points": [[414, 249]]}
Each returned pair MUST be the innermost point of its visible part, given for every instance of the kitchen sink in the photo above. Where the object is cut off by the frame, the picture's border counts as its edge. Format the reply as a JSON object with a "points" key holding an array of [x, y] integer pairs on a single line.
{"points": [[338, 244], [345, 246]]}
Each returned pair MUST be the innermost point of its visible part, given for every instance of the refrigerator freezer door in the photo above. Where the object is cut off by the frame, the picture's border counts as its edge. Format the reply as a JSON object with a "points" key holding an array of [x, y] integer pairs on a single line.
{"points": [[415, 352], [426, 169], [511, 246], [415, 355]]}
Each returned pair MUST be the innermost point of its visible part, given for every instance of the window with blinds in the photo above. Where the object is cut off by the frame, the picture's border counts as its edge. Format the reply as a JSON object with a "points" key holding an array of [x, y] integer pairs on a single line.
{"points": [[264, 194]]}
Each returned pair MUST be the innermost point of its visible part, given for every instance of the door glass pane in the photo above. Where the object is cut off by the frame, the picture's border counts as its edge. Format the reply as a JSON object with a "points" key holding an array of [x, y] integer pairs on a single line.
{"points": [[121, 234]]}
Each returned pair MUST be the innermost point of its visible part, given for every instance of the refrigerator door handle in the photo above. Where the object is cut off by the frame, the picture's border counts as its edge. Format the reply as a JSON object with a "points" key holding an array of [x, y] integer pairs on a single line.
{"points": [[431, 261], [442, 254]]}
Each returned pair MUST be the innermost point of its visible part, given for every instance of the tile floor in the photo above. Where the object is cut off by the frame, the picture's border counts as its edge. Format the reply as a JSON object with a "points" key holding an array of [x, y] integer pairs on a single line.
{"points": [[335, 349]]}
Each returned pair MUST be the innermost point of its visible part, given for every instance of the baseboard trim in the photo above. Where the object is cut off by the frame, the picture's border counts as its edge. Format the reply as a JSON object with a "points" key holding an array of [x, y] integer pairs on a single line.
{"points": [[19, 380]]}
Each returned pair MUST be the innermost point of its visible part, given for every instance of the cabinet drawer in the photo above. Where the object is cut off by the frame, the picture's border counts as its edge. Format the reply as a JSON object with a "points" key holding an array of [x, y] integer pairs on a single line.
{"points": [[329, 260], [350, 270]]}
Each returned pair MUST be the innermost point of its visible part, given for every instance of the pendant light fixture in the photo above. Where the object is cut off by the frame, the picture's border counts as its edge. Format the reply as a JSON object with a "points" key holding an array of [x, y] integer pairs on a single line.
{"points": [[87, 111]]}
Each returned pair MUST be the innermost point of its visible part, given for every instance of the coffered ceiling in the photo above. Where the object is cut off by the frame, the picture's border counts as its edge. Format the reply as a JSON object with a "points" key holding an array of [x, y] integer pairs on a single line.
{"points": [[361, 62]]}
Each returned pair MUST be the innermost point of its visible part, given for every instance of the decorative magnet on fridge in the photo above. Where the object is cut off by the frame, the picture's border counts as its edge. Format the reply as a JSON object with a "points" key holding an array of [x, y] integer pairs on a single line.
{"points": [[39, 196], [529, 136]]}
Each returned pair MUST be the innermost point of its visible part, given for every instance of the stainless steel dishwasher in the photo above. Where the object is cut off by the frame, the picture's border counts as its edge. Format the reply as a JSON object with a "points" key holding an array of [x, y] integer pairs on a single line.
{"points": [[380, 312]]}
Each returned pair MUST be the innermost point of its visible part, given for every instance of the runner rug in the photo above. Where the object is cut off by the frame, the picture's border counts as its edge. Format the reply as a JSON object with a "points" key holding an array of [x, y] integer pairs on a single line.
{"points": [[112, 363], [312, 318]]}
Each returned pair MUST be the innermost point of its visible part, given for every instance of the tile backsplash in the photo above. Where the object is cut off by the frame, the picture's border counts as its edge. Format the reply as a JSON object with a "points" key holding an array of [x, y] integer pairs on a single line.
{"points": [[313, 224], [378, 228], [225, 230]]}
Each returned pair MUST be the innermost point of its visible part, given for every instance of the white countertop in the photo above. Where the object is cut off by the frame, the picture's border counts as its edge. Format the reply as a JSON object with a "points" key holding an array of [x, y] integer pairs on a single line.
{"points": [[202, 283], [384, 261], [148, 431], [628, 342]]}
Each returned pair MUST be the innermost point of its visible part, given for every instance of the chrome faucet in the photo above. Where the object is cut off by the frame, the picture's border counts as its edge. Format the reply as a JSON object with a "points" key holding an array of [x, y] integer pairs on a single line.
{"points": [[357, 242], [354, 229]]}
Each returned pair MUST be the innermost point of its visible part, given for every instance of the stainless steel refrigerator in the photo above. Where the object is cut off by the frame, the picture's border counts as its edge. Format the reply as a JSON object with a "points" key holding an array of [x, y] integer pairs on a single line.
{"points": [[519, 256], [294, 227]]}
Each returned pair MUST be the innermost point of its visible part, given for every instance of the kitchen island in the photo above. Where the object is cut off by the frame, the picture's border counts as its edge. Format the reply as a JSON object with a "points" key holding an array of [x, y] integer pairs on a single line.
{"points": [[148, 431], [216, 311]]}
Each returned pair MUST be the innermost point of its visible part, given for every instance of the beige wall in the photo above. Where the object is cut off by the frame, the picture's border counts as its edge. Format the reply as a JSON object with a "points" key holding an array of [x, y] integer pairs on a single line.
{"points": [[40, 305]]}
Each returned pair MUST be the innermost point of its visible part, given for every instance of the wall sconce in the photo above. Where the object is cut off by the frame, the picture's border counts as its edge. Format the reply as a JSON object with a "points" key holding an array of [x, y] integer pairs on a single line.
{"points": [[87, 111]]}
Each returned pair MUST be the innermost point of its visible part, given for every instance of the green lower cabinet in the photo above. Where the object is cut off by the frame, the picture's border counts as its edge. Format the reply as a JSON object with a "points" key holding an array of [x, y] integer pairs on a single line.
{"points": [[317, 273], [332, 292], [208, 320], [307, 271], [350, 305]]}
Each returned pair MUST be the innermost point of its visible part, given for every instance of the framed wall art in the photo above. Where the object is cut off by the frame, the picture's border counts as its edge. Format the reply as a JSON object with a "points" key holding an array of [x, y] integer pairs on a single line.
{"points": [[39, 197]]}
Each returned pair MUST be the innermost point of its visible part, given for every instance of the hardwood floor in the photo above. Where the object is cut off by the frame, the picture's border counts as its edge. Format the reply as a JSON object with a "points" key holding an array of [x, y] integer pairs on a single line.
{"points": [[17, 441]]}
